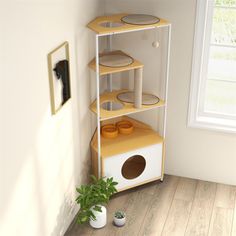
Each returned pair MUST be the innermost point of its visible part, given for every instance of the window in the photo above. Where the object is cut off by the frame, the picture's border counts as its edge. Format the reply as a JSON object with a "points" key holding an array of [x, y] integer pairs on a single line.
{"points": [[213, 83]]}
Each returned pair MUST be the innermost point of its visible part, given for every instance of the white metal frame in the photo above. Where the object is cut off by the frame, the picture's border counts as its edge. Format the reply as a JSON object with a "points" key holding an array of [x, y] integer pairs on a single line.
{"points": [[196, 117], [167, 80], [109, 81]]}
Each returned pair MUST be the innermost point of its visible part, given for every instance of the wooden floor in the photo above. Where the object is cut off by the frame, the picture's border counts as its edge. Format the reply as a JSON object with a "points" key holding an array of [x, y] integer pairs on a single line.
{"points": [[178, 206]]}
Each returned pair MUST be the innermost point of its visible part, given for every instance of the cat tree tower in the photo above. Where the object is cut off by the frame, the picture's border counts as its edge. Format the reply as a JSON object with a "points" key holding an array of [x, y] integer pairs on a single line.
{"points": [[132, 153]]}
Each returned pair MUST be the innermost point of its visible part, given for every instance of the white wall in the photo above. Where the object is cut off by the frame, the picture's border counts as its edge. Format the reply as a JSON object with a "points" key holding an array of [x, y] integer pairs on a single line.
{"points": [[42, 157], [191, 152]]}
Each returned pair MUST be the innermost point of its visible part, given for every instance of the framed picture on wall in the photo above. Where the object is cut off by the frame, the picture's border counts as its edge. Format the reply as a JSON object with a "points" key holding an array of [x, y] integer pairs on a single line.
{"points": [[59, 76]]}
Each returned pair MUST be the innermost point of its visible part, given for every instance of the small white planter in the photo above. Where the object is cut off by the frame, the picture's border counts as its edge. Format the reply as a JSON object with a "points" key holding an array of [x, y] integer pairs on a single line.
{"points": [[101, 218], [119, 222]]}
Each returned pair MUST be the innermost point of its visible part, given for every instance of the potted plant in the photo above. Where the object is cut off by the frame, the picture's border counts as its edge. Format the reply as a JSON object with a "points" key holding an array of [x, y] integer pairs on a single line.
{"points": [[119, 218], [91, 199]]}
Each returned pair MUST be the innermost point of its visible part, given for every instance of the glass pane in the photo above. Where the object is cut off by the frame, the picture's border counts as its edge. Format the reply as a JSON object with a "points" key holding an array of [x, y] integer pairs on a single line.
{"points": [[229, 3], [222, 63], [224, 26], [220, 97]]}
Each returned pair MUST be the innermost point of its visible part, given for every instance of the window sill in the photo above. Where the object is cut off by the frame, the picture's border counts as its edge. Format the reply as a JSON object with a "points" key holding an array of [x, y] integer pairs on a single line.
{"points": [[212, 123]]}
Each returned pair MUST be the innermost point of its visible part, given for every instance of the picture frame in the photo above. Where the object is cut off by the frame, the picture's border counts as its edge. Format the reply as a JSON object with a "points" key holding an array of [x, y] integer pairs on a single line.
{"points": [[59, 77]]}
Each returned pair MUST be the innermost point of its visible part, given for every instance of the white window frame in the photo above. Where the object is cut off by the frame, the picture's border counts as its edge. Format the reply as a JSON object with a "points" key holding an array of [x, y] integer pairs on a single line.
{"points": [[196, 117]]}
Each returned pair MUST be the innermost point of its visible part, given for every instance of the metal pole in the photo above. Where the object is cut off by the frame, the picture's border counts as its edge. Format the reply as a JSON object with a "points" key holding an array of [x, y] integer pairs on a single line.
{"points": [[165, 98], [167, 79], [98, 105], [109, 49]]}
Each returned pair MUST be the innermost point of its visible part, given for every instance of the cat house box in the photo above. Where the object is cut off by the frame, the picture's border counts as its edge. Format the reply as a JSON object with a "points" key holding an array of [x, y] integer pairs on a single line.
{"points": [[132, 159]]}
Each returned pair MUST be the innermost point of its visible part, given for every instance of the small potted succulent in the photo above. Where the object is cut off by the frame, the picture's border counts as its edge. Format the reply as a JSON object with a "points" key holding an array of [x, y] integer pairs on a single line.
{"points": [[91, 199], [119, 218]]}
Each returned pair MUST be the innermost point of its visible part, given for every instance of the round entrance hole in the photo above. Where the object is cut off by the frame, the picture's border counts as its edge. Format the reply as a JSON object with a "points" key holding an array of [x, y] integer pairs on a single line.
{"points": [[133, 167], [112, 106]]}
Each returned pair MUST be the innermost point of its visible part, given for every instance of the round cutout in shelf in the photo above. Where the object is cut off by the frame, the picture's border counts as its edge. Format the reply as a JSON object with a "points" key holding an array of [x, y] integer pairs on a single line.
{"points": [[133, 167], [115, 60], [112, 106], [147, 99], [109, 24], [140, 19]]}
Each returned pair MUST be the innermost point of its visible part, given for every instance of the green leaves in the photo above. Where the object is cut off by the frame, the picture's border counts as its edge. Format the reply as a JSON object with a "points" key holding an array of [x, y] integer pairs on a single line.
{"points": [[119, 214], [93, 195], [97, 208], [94, 179]]}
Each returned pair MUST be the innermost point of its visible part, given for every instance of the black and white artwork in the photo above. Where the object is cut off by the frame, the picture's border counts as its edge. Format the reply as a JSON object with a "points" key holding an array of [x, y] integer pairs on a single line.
{"points": [[59, 76]]}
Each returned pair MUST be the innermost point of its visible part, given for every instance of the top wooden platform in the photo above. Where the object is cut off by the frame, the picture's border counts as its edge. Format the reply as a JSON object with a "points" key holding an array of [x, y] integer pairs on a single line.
{"points": [[96, 25]]}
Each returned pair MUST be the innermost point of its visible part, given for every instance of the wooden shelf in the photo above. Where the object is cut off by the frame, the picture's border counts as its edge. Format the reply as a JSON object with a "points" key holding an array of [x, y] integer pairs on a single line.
{"points": [[105, 70], [128, 108], [96, 25], [142, 136]]}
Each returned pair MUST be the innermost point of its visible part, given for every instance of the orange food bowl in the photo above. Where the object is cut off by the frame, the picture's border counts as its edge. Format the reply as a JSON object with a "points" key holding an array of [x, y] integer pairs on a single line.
{"points": [[125, 127], [109, 131]]}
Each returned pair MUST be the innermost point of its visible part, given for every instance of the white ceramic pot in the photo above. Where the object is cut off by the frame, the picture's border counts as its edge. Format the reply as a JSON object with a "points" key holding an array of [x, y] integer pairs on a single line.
{"points": [[119, 222], [101, 218]]}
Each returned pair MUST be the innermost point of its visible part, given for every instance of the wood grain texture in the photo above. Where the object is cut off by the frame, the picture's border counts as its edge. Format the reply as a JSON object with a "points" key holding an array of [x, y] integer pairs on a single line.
{"points": [[200, 217], [234, 221], [76, 229], [128, 108], [159, 207], [136, 213], [181, 206], [142, 136], [176, 225], [225, 196], [95, 24], [221, 222], [186, 189], [106, 70], [223, 211], [178, 206]]}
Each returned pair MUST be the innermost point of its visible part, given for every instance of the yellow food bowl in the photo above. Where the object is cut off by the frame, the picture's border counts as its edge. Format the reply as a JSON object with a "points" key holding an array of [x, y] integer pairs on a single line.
{"points": [[109, 131], [125, 127]]}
